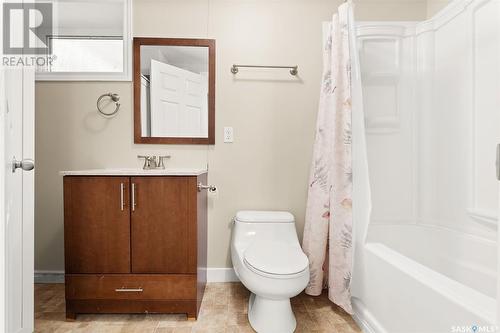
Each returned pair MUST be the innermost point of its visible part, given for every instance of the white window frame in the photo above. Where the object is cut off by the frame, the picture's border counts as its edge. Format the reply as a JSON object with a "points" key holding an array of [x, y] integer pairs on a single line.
{"points": [[126, 75]]}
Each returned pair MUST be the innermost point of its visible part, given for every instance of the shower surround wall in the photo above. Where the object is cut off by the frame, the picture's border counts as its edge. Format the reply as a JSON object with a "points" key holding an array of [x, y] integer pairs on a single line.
{"points": [[430, 93], [459, 121], [387, 59]]}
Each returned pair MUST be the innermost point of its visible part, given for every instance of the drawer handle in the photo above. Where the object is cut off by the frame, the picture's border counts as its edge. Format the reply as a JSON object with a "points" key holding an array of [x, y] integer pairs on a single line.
{"points": [[129, 290]]}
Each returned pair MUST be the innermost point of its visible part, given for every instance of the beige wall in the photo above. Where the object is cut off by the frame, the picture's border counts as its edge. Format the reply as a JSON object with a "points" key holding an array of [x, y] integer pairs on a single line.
{"points": [[273, 114], [434, 6]]}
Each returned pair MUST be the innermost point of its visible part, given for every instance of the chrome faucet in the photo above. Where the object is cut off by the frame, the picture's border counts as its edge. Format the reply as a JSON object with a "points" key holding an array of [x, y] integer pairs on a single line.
{"points": [[161, 163], [151, 162]]}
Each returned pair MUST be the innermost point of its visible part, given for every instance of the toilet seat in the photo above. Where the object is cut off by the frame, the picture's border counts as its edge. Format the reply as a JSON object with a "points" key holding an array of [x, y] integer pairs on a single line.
{"points": [[276, 259]]}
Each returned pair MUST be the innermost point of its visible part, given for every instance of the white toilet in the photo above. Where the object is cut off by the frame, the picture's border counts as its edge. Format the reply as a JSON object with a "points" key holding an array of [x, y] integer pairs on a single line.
{"points": [[269, 261]]}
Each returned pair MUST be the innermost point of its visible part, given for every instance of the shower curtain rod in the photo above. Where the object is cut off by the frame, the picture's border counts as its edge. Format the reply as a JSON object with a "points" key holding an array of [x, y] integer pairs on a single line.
{"points": [[293, 69]]}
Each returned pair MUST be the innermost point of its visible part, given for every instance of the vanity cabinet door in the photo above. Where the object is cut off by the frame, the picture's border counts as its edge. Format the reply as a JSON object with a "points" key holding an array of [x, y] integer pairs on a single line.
{"points": [[163, 224], [96, 224]]}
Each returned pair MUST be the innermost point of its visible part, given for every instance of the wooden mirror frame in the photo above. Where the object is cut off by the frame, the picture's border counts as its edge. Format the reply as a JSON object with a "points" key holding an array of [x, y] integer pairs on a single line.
{"points": [[210, 43]]}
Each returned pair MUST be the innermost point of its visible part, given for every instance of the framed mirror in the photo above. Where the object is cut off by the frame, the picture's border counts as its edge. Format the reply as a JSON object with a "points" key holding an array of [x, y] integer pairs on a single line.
{"points": [[174, 91]]}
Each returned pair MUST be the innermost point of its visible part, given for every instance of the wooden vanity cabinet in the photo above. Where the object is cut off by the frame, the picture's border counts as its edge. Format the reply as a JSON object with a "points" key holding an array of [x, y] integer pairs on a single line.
{"points": [[160, 204], [134, 244], [96, 226]]}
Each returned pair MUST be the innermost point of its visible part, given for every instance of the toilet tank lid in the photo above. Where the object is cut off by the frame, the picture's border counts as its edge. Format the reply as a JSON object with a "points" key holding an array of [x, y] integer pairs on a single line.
{"points": [[256, 216]]}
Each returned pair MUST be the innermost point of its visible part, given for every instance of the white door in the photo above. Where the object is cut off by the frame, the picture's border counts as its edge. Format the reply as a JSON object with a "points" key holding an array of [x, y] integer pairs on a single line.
{"points": [[178, 102], [17, 207], [498, 233]]}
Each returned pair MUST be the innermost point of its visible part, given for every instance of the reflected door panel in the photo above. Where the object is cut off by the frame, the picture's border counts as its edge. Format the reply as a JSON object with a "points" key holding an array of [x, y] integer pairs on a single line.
{"points": [[177, 106]]}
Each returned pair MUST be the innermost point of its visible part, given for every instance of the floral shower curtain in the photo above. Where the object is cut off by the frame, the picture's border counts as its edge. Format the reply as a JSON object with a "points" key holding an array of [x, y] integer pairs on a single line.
{"points": [[328, 228]]}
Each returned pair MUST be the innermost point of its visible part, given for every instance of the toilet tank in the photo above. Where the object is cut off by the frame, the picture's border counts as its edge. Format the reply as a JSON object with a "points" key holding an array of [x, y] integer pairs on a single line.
{"points": [[269, 225]]}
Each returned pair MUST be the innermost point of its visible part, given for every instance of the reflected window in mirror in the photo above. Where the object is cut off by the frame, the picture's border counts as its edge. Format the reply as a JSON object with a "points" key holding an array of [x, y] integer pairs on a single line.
{"points": [[174, 90]]}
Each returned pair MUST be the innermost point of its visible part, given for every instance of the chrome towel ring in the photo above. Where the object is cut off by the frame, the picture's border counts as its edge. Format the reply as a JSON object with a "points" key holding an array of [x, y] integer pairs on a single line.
{"points": [[115, 98]]}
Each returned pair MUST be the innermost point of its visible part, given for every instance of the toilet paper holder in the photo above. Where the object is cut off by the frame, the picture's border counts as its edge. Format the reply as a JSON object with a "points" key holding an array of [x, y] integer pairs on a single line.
{"points": [[210, 188]]}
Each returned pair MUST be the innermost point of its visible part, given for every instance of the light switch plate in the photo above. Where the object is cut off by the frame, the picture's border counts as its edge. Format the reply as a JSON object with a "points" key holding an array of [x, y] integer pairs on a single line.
{"points": [[228, 134]]}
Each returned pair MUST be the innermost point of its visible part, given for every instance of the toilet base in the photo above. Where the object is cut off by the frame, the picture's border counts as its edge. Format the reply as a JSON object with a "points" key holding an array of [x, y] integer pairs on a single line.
{"points": [[271, 316]]}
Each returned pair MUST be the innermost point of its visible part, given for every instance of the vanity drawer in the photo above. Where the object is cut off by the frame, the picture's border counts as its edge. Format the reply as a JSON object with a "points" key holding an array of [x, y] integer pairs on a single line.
{"points": [[131, 286]]}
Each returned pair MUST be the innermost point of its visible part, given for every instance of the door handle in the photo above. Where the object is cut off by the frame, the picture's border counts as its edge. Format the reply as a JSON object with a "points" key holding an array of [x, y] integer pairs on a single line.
{"points": [[25, 164], [498, 162]]}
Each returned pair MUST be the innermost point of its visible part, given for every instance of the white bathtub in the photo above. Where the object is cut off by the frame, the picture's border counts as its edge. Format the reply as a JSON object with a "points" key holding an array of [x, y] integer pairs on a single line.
{"points": [[417, 278]]}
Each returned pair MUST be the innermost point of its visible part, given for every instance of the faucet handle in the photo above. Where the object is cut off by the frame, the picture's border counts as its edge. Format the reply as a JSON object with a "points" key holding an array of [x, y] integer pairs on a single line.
{"points": [[147, 161], [161, 164]]}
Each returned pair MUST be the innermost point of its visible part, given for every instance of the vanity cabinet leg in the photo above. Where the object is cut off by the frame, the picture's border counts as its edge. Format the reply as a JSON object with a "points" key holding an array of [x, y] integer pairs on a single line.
{"points": [[70, 316]]}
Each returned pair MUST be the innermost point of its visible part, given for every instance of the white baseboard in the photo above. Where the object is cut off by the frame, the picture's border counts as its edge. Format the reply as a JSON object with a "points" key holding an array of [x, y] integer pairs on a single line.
{"points": [[221, 275], [213, 275]]}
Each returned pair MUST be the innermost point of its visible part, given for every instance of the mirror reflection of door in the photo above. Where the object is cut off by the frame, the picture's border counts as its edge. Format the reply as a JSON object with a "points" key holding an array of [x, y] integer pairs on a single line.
{"points": [[174, 91]]}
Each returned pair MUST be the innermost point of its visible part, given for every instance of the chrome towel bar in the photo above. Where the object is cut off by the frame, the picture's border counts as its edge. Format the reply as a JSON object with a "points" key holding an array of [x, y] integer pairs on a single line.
{"points": [[293, 69]]}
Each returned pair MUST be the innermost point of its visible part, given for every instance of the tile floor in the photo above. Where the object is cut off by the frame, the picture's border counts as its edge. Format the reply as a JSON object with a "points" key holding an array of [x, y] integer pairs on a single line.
{"points": [[223, 310]]}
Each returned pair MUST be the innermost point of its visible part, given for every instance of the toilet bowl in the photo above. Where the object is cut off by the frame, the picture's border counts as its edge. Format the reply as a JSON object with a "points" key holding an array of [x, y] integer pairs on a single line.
{"points": [[269, 261]]}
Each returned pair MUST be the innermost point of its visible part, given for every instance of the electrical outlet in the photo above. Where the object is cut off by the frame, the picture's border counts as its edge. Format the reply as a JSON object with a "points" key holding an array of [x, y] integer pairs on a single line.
{"points": [[228, 134]]}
